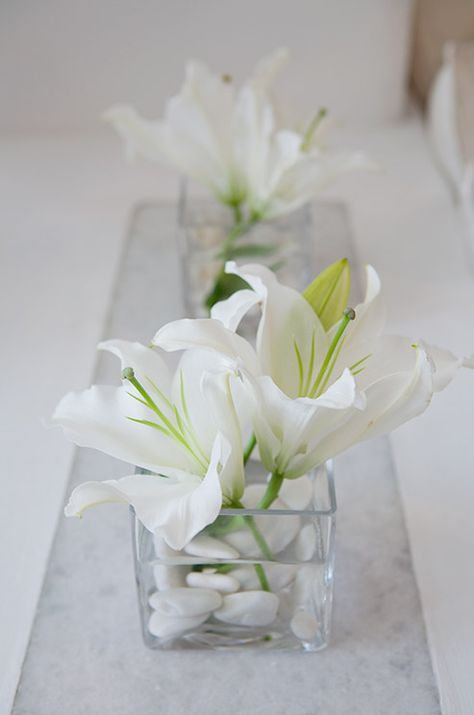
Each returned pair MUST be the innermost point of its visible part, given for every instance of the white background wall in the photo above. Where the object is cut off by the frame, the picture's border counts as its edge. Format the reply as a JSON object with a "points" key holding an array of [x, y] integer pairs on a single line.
{"points": [[63, 61]]}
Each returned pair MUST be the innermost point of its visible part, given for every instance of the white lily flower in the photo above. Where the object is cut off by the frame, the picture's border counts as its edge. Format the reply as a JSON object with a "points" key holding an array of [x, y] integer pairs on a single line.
{"points": [[181, 427], [230, 142], [318, 392], [198, 131], [284, 169]]}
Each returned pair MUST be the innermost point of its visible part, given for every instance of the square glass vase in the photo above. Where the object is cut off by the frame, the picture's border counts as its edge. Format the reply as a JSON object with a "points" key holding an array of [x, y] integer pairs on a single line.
{"points": [[255, 578], [203, 226]]}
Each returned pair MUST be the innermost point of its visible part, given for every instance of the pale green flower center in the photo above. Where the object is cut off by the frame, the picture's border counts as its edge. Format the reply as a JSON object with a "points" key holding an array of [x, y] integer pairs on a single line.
{"points": [[313, 386], [178, 426]]}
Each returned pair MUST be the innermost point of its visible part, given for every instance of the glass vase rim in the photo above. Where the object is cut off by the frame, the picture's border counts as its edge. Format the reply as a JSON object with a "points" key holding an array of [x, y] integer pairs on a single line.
{"points": [[307, 512]]}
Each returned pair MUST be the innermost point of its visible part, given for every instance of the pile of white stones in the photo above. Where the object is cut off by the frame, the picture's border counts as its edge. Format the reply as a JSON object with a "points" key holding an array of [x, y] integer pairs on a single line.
{"points": [[186, 598]]}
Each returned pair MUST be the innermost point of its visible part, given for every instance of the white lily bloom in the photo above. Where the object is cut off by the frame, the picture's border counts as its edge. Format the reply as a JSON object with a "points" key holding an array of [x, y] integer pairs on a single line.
{"points": [[230, 142], [181, 427], [316, 392]]}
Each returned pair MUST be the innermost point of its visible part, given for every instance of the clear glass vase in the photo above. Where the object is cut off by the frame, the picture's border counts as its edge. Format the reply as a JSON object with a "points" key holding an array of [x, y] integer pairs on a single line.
{"points": [[203, 226], [254, 578]]}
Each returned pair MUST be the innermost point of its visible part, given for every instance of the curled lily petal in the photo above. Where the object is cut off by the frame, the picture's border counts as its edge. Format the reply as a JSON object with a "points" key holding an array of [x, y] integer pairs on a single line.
{"points": [[205, 333], [178, 508], [445, 365], [288, 430], [391, 401], [141, 136], [231, 311], [146, 363], [289, 331]]}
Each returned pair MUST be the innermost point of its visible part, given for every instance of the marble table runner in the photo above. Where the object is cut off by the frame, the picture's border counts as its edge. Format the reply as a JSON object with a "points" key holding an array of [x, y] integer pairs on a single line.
{"points": [[86, 656]]}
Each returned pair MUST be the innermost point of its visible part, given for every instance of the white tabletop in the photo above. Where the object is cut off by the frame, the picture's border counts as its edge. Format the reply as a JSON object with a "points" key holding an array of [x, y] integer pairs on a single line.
{"points": [[65, 203]]}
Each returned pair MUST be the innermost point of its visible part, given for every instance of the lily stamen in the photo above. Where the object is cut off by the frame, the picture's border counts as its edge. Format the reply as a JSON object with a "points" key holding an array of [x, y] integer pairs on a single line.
{"points": [[349, 314], [169, 429], [310, 131]]}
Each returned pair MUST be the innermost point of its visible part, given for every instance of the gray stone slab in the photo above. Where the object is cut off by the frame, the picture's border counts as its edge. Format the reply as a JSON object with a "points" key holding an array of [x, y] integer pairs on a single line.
{"points": [[86, 656]]}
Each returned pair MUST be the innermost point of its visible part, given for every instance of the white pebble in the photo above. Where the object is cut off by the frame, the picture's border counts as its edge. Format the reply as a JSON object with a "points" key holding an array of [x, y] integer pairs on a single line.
{"points": [[278, 575], [249, 608], [278, 532], [297, 493], [305, 543], [207, 547], [169, 576], [165, 626], [305, 584], [304, 626], [217, 581], [185, 601], [252, 495]]}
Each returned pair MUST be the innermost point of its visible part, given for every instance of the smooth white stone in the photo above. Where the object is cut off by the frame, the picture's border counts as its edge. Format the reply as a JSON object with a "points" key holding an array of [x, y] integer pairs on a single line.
{"points": [[249, 608], [297, 493], [217, 581], [169, 576], [286, 607], [185, 601], [304, 626], [165, 626], [252, 495], [278, 532], [279, 576], [208, 547], [305, 543], [246, 577], [304, 585]]}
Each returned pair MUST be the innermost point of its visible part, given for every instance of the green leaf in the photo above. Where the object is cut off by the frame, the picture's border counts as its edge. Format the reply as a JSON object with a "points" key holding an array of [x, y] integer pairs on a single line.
{"points": [[328, 294], [249, 249], [225, 285]]}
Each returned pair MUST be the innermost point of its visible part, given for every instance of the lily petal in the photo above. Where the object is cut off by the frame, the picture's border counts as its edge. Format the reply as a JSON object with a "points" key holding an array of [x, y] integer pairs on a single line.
{"points": [[177, 509], [391, 401], [146, 363], [289, 430], [209, 334], [268, 67], [217, 390], [231, 310], [97, 418], [141, 136], [287, 327], [446, 365]]}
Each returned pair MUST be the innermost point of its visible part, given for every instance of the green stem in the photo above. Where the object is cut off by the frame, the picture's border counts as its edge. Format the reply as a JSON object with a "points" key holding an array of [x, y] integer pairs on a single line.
{"points": [[218, 291], [237, 213], [272, 490], [249, 448], [262, 577], [262, 545], [259, 538]]}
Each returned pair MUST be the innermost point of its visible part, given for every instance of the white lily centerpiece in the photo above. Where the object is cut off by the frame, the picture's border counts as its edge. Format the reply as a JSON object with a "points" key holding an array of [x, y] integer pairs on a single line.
{"points": [[232, 554], [182, 427], [322, 377], [229, 141]]}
